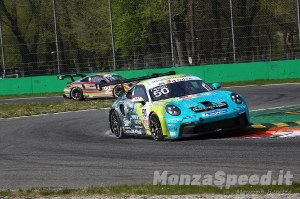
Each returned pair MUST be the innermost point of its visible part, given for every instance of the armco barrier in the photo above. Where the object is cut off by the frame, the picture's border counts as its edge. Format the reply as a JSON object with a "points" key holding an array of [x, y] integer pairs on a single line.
{"points": [[210, 73]]}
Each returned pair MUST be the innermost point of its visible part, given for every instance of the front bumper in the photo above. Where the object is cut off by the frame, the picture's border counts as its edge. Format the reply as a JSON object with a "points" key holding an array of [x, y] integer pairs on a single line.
{"points": [[189, 129]]}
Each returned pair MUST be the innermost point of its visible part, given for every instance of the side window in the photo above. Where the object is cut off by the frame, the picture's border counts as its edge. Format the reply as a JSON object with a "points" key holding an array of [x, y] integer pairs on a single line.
{"points": [[97, 79], [140, 91], [195, 84], [129, 93], [86, 79]]}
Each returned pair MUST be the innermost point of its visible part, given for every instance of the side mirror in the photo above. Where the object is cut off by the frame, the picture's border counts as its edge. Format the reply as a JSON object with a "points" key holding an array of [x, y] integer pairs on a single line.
{"points": [[216, 86], [138, 100]]}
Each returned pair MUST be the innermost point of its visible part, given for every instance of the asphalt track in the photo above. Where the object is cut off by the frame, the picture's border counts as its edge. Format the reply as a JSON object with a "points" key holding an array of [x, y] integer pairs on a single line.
{"points": [[76, 149]]}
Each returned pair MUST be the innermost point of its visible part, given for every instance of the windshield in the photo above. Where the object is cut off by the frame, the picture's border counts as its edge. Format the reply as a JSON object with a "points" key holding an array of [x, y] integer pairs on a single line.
{"points": [[178, 89], [113, 78]]}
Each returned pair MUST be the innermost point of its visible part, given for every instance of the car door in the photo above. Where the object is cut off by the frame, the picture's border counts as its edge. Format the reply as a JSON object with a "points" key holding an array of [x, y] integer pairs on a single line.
{"points": [[139, 114], [131, 109]]}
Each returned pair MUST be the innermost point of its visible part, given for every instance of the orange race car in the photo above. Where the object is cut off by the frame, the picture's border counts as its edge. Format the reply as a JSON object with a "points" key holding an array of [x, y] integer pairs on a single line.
{"points": [[88, 86]]}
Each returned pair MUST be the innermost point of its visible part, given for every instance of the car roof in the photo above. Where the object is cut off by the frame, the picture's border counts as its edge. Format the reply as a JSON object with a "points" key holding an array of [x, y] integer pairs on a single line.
{"points": [[104, 74], [168, 79]]}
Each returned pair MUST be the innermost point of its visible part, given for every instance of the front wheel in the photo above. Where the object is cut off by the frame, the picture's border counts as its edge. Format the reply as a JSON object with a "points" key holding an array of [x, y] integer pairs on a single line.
{"points": [[115, 124], [76, 94], [155, 128]]}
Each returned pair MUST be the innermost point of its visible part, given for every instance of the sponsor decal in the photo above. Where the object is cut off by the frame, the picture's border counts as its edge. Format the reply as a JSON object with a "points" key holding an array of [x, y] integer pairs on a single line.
{"points": [[215, 113], [206, 93], [187, 78], [174, 120], [156, 104], [135, 117], [208, 108], [137, 131], [138, 127], [145, 122], [188, 117], [137, 122]]}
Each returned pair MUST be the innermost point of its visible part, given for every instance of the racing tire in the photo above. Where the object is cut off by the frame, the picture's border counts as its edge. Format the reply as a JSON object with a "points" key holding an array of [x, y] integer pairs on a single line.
{"points": [[76, 94], [115, 124], [118, 91], [155, 128]]}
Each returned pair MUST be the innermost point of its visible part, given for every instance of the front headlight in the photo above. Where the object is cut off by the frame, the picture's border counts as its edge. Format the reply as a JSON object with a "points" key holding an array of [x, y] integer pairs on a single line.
{"points": [[173, 110], [236, 98]]}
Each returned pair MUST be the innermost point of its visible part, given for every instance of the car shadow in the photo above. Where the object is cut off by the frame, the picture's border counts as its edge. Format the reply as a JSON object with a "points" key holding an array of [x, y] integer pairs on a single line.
{"points": [[242, 133], [246, 132]]}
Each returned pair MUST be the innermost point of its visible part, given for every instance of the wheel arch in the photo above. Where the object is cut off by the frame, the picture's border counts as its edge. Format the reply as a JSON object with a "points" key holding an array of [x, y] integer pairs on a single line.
{"points": [[163, 123], [121, 135], [121, 116]]}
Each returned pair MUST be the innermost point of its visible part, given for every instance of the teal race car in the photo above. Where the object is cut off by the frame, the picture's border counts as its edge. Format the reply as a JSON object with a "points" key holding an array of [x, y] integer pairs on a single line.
{"points": [[173, 105]]}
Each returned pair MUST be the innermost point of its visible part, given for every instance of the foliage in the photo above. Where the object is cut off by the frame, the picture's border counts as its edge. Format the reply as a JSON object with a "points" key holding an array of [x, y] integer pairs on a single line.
{"points": [[201, 30]]}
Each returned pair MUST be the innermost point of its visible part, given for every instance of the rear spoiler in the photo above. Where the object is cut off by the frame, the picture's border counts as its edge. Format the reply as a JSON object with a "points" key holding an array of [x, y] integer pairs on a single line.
{"points": [[62, 77], [137, 79]]}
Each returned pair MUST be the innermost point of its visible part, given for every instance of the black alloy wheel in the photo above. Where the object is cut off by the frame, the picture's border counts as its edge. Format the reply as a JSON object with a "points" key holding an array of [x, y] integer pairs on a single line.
{"points": [[115, 124], [76, 94], [118, 91], [155, 128]]}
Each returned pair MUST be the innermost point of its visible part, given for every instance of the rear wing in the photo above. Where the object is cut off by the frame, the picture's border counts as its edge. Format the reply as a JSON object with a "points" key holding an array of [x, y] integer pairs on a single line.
{"points": [[137, 79], [62, 77]]}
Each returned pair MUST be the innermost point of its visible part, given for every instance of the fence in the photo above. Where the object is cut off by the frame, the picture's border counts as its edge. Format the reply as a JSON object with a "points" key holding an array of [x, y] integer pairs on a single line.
{"points": [[71, 36]]}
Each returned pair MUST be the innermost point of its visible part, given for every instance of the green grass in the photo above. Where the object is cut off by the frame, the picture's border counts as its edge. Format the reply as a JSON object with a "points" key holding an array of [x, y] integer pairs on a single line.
{"points": [[126, 190], [36, 108], [260, 82], [30, 95]]}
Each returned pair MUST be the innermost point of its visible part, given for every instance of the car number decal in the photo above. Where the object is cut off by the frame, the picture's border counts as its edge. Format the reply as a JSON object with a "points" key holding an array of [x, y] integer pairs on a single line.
{"points": [[159, 90], [106, 88], [144, 114]]}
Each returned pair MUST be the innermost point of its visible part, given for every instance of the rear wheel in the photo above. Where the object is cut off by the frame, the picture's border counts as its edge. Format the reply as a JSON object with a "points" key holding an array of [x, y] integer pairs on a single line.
{"points": [[118, 91], [115, 124], [155, 128], [76, 94]]}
